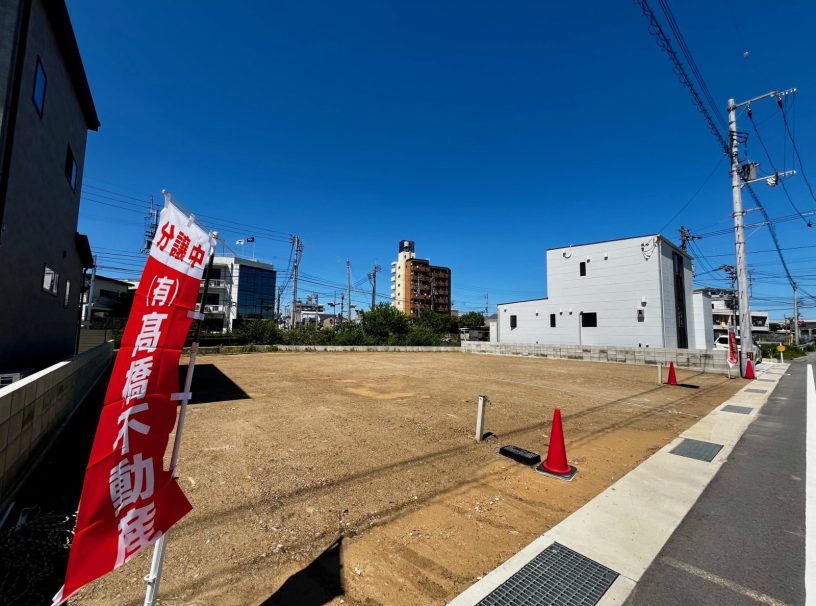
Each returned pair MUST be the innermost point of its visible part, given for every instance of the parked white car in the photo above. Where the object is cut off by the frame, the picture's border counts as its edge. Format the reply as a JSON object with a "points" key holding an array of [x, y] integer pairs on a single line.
{"points": [[722, 343]]}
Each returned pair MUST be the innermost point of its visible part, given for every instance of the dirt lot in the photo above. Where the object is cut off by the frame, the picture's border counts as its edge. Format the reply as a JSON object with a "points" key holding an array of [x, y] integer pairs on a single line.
{"points": [[287, 451]]}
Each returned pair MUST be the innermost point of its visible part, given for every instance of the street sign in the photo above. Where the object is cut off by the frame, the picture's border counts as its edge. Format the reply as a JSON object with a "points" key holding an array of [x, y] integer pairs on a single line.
{"points": [[780, 348]]}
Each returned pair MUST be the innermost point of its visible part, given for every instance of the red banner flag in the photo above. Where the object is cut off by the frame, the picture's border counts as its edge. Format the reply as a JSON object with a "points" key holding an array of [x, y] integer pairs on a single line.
{"points": [[128, 499], [732, 347]]}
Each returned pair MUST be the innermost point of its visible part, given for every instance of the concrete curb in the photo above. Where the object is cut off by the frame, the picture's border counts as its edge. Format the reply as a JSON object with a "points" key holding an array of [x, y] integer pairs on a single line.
{"points": [[626, 526]]}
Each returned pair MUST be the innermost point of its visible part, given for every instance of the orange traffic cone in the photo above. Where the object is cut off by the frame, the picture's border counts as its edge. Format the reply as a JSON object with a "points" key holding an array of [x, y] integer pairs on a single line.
{"points": [[556, 462], [749, 370], [672, 375]]}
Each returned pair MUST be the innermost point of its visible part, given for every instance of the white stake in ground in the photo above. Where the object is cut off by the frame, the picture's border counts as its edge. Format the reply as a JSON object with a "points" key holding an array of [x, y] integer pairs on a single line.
{"points": [[154, 576], [480, 415]]}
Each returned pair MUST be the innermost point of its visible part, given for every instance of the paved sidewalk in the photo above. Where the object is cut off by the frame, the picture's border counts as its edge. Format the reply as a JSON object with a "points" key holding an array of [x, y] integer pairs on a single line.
{"points": [[744, 540], [627, 530]]}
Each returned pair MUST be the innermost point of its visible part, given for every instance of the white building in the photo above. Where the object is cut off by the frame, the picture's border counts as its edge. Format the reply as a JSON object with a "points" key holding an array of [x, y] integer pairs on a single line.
{"points": [[239, 289], [720, 308], [635, 292]]}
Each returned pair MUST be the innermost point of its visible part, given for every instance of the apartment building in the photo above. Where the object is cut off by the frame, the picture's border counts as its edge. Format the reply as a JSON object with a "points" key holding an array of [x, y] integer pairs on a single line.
{"points": [[723, 301], [44, 124], [239, 289], [416, 285], [632, 292]]}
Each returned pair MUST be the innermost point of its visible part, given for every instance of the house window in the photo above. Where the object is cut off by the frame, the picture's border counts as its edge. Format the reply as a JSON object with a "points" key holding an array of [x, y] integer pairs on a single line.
{"points": [[641, 315], [50, 281], [38, 94], [589, 320], [71, 168], [552, 320], [67, 298], [513, 322], [582, 268]]}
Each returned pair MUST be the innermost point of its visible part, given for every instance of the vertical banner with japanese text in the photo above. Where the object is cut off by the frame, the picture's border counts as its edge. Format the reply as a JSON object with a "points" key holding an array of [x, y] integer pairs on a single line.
{"points": [[732, 347], [128, 498]]}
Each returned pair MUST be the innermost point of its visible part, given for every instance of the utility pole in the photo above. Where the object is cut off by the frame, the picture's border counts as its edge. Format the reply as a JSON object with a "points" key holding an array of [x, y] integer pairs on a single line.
{"points": [[348, 284], [795, 314], [280, 294], [737, 182], [373, 278], [342, 300], [297, 245], [487, 306]]}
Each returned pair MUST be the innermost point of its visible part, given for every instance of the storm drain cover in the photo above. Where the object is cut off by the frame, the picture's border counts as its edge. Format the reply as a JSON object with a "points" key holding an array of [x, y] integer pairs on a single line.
{"points": [[743, 410], [558, 576], [751, 390], [697, 449]]}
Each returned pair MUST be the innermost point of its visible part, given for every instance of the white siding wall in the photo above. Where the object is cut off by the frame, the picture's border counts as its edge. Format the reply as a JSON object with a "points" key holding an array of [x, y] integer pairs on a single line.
{"points": [[619, 275], [703, 322]]}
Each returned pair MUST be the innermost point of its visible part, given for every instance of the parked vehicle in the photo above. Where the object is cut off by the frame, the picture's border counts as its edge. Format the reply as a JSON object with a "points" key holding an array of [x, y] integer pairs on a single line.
{"points": [[722, 343]]}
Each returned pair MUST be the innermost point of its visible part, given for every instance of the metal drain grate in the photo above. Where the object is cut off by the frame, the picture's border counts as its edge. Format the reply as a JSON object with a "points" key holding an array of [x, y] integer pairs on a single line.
{"points": [[697, 449], [743, 410], [752, 390], [558, 576]]}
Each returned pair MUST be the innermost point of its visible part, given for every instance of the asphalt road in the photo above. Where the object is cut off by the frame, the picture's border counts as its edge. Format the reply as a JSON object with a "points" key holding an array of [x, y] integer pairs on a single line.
{"points": [[743, 542]]}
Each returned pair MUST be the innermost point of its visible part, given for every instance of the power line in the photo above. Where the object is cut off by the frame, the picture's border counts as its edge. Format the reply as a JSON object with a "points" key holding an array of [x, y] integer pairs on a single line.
{"points": [[795, 147], [773, 166]]}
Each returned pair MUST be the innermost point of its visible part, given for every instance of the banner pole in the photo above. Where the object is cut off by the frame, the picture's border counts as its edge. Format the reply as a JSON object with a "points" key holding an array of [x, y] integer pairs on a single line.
{"points": [[157, 563]]}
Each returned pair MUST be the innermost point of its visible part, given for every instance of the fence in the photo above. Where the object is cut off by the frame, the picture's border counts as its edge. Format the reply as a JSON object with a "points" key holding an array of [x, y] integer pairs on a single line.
{"points": [[32, 409], [707, 360]]}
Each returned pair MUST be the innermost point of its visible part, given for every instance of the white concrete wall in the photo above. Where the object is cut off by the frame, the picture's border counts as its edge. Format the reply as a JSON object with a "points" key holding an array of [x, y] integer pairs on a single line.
{"points": [[703, 324]]}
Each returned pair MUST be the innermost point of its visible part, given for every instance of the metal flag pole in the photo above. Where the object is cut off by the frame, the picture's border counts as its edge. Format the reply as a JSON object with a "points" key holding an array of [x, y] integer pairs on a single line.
{"points": [[154, 576]]}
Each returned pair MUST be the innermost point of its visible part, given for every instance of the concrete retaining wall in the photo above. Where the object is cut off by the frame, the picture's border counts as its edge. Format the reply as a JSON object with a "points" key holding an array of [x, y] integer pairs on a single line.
{"points": [[32, 409], [712, 360]]}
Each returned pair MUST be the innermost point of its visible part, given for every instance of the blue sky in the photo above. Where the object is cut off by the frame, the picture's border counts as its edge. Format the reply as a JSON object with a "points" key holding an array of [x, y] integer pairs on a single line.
{"points": [[486, 133]]}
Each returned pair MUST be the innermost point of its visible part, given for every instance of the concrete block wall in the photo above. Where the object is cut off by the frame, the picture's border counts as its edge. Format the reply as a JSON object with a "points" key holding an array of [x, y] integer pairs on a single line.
{"points": [[230, 349], [32, 409], [692, 359]]}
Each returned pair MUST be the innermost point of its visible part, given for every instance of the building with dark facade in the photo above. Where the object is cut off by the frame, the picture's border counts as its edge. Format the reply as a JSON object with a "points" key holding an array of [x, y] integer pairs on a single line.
{"points": [[44, 124], [239, 289]]}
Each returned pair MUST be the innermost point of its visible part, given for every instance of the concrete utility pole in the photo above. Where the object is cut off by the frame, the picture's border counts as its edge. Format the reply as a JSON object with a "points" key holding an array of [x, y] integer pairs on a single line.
{"points": [[737, 182], [373, 277], [297, 246], [342, 300], [280, 294], [348, 285], [795, 314]]}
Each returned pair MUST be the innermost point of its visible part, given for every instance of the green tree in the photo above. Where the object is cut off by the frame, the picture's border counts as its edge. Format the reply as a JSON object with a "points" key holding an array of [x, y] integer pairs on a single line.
{"points": [[441, 324], [384, 322], [472, 319]]}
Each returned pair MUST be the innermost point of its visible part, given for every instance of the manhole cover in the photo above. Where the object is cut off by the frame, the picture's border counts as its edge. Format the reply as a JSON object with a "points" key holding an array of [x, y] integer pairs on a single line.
{"points": [[743, 410], [752, 390], [558, 576], [697, 449]]}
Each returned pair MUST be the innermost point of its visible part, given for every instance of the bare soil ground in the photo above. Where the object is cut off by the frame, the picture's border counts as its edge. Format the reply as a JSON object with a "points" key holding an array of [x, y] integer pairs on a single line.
{"points": [[287, 451]]}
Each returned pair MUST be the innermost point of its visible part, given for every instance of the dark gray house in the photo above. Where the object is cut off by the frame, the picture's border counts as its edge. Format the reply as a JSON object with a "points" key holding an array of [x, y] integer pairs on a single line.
{"points": [[47, 112]]}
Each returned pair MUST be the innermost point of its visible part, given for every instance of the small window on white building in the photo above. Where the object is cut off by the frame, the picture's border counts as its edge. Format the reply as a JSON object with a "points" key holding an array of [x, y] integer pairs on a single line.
{"points": [[641, 315], [50, 281], [552, 320], [582, 268], [513, 322], [589, 320]]}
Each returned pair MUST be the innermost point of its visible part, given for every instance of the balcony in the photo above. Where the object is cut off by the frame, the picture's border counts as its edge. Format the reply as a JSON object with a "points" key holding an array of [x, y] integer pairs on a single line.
{"points": [[215, 309], [216, 284]]}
